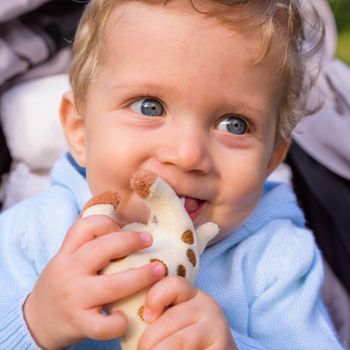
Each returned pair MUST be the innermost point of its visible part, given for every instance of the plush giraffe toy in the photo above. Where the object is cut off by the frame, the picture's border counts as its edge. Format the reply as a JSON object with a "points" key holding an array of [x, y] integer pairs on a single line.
{"points": [[176, 243]]}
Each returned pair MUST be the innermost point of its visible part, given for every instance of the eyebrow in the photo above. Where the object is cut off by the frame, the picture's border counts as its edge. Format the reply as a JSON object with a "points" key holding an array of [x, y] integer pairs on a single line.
{"points": [[247, 109], [138, 85]]}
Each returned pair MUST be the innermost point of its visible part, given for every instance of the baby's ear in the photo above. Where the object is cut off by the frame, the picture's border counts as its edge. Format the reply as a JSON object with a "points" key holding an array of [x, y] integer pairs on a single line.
{"points": [[73, 126], [278, 154]]}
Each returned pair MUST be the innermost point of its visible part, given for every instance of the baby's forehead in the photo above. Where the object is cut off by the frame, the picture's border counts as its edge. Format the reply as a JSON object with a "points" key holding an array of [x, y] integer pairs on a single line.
{"points": [[234, 13], [126, 17], [230, 15], [242, 16], [145, 50]]}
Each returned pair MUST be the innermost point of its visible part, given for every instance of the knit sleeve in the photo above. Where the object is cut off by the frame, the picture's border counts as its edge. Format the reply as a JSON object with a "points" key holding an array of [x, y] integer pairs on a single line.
{"points": [[286, 310], [14, 333], [30, 234], [18, 274]]}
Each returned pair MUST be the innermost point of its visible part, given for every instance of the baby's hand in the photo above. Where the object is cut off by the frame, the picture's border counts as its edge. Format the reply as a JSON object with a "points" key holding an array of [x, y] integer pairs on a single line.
{"points": [[193, 320], [65, 305]]}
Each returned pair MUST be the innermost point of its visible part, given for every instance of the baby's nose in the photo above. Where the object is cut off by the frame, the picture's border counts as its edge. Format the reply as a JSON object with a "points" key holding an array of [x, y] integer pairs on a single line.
{"points": [[189, 150]]}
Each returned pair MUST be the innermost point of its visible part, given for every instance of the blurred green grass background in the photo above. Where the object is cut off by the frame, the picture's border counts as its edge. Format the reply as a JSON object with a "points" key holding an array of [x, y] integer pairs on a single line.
{"points": [[341, 10]]}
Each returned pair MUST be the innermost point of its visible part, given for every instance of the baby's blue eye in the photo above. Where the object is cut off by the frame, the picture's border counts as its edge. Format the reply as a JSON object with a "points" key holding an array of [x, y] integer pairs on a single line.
{"points": [[234, 125], [148, 106]]}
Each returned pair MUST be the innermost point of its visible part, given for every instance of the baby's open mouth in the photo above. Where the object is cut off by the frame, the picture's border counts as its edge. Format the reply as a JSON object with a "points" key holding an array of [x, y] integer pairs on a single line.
{"points": [[193, 206]]}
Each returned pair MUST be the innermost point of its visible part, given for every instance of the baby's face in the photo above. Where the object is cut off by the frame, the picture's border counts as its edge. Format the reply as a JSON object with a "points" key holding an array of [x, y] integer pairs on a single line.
{"points": [[178, 94]]}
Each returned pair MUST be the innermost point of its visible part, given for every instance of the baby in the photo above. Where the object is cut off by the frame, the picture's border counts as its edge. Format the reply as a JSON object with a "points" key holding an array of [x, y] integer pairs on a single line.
{"points": [[205, 95]]}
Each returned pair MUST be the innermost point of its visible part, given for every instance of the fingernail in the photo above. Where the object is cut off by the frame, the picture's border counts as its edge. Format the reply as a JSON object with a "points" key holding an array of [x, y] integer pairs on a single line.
{"points": [[158, 269], [146, 237], [147, 315]]}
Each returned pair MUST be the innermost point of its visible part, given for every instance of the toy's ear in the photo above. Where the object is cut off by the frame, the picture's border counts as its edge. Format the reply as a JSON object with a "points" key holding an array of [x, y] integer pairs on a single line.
{"points": [[278, 154], [74, 129]]}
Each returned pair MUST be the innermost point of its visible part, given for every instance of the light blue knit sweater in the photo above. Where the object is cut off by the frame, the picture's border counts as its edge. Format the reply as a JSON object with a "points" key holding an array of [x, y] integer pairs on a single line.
{"points": [[266, 276]]}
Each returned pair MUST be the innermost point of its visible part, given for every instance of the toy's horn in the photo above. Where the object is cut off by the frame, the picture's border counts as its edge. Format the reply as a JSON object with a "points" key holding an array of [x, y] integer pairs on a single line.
{"points": [[102, 204]]}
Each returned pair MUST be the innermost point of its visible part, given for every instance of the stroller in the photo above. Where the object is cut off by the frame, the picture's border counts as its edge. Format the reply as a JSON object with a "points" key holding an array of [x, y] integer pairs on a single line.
{"points": [[35, 38]]}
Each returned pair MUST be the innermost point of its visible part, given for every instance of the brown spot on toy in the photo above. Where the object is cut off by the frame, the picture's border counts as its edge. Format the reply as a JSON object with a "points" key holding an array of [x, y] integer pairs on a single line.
{"points": [[108, 197], [118, 259], [140, 312], [141, 182], [191, 256], [188, 237], [181, 271], [165, 267]]}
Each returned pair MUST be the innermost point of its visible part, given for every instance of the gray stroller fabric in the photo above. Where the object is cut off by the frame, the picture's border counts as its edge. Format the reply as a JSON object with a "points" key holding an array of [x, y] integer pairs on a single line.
{"points": [[13, 8], [20, 48], [35, 41], [36, 36]]}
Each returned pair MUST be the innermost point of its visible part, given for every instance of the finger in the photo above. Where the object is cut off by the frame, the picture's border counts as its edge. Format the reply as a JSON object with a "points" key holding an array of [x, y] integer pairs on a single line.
{"points": [[105, 289], [171, 321], [194, 336], [87, 229], [97, 253], [199, 335], [170, 291], [98, 326], [201, 315]]}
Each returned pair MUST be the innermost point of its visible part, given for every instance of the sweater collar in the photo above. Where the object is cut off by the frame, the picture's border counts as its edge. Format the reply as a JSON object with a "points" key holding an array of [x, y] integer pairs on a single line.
{"points": [[67, 173]]}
